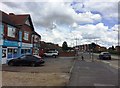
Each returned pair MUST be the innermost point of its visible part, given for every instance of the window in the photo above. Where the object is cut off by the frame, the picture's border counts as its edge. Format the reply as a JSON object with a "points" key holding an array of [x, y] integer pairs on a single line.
{"points": [[26, 35], [11, 31], [25, 51], [12, 52]]}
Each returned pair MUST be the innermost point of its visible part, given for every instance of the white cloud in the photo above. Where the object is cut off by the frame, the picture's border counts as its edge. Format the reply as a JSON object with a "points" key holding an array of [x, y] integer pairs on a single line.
{"points": [[46, 13], [108, 9], [66, 23]]}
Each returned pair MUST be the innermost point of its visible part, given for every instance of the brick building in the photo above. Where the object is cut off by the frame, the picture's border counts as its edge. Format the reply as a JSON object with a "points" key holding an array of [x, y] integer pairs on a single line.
{"points": [[16, 36]]}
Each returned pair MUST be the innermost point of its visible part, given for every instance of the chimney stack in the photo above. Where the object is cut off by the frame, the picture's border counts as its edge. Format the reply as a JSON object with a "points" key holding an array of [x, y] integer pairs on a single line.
{"points": [[11, 14]]}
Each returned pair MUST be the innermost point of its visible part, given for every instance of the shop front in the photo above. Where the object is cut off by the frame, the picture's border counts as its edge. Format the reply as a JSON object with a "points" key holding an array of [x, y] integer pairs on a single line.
{"points": [[26, 48], [9, 50]]}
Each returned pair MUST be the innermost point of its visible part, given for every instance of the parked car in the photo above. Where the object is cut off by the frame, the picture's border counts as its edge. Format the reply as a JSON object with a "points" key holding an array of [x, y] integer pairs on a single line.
{"points": [[26, 60], [51, 53], [104, 56]]}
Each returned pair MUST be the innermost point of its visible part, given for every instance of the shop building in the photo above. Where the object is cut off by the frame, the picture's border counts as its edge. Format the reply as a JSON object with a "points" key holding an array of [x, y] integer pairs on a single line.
{"points": [[24, 22], [15, 36], [9, 40]]}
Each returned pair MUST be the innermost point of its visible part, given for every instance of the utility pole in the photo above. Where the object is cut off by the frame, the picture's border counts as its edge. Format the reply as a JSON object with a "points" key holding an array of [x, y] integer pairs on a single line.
{"points": [[76, 46]]}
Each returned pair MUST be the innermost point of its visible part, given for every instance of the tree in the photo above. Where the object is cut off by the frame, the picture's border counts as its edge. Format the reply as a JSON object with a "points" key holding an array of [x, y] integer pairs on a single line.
{"points": [[64, 46], [113, 48], [92, 46]]}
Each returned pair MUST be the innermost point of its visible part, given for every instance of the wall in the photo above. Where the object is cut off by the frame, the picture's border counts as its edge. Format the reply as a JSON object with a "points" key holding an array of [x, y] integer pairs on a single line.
{"points": [[1, 43]]}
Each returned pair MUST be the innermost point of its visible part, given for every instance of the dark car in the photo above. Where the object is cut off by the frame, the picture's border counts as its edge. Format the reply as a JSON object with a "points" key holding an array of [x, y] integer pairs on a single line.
{"points": [[104, 56], [26, 60]]}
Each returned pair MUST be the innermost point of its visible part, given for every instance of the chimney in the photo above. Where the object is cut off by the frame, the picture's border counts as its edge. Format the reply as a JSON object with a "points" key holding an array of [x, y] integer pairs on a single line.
{"points": [[11, 14]]}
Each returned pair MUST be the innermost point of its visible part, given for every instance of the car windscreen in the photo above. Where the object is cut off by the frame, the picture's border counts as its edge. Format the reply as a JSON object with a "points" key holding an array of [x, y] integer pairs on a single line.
{"points": [[49, 52], [106, 54], [22, 57]]}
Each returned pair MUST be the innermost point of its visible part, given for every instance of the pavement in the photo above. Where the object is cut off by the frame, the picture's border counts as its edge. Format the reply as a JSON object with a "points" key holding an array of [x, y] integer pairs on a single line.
{"points": [[93, 73]]}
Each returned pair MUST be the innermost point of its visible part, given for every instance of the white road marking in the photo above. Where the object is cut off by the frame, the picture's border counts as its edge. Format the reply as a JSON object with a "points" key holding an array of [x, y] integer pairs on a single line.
{"points": [[99, 84]]}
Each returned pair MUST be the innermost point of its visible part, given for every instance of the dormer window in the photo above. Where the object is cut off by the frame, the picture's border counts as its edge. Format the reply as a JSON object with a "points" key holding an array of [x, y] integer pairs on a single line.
{"points": [[27, 22], [11, 31]]}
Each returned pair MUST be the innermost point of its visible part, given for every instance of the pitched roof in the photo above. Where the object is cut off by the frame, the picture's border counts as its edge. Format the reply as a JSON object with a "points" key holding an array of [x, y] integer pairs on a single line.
{"points": [[15, 20], [6, 18], [21, 19]]}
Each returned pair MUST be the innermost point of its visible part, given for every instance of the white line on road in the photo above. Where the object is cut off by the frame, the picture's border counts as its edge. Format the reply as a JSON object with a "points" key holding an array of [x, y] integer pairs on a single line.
{"points": [[99, 84]]}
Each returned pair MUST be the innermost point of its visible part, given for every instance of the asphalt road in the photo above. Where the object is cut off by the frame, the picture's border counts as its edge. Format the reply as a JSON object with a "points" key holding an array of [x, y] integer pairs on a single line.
{"points": [[92, 73]]}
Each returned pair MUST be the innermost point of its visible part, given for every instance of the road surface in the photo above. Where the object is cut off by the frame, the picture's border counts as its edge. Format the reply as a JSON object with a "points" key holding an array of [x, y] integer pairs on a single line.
{"points": [[96, 73]]}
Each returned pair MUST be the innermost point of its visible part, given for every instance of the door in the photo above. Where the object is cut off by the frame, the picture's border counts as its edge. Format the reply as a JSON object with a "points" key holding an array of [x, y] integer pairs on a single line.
{"points": [[4, 56]]}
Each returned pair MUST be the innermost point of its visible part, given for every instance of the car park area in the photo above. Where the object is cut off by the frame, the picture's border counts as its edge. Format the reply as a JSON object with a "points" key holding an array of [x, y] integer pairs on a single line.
{"points": [[52, 73]]}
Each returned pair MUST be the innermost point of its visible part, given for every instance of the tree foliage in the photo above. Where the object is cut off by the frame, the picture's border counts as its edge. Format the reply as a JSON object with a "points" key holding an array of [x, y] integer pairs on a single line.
{"points": [[64, 46]]}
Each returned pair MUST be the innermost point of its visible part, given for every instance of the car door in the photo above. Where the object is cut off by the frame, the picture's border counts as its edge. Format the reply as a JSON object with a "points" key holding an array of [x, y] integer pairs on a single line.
{"points": [[22, 60], [29, 60]]}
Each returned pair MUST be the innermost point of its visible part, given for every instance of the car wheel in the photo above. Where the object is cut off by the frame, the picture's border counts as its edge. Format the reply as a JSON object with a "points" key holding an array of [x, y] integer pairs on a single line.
{"points": [[10, 64], [109, 58], [54, 56], [33, 64]]}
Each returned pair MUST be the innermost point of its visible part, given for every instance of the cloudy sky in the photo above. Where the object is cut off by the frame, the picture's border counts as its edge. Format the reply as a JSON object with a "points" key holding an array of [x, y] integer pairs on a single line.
{"points": [[58, 21]]}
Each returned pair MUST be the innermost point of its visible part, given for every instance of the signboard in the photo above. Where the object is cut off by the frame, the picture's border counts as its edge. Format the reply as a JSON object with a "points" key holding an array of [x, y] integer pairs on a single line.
{"points": [[10, 43], [27, 45]]}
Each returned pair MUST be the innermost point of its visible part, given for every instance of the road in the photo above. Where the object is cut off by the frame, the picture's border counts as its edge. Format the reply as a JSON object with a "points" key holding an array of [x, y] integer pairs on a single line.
{"points": [[93, 73]]}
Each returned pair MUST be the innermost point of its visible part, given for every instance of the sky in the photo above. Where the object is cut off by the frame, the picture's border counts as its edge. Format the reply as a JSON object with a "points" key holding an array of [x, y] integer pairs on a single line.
{"points": [[59, 20]]}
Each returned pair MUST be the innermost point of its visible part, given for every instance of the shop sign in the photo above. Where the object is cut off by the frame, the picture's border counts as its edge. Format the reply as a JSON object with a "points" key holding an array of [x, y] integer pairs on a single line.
{"points": [[10, 43], [27, 45]]}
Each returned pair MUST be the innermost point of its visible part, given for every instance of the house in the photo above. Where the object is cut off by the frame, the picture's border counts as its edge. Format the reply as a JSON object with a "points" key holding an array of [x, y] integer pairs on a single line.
{"points": [[9, 40], [24, 22], [48, 46]]}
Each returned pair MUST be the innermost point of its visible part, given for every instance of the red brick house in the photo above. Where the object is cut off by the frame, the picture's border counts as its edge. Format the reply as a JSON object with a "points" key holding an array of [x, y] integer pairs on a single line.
{"points": [[9, 38], [24, 22]]}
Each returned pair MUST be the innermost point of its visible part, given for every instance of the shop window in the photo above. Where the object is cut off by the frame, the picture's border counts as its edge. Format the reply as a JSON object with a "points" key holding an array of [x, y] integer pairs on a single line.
{"points": [[12, 53], [11, 31], [9, 53], [25, 51], [26, 35]]}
